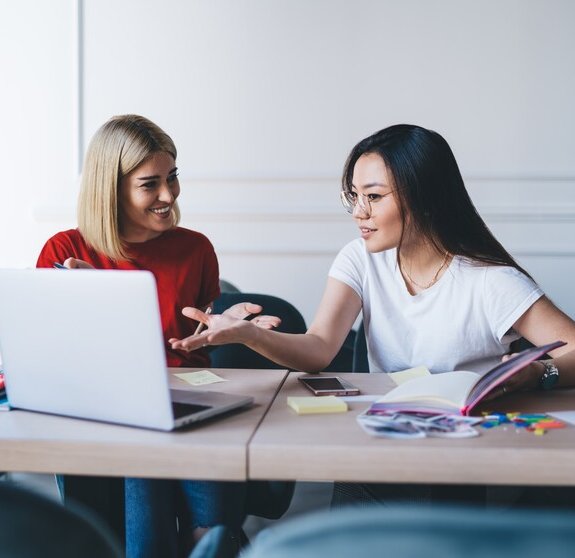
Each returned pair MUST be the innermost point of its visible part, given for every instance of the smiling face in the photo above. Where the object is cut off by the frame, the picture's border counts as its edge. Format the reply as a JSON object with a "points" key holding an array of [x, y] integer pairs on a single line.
{"points": [[374, 183], [146, 198]]}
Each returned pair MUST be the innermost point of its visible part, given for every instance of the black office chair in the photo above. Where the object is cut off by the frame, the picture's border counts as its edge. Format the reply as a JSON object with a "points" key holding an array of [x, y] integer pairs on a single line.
{"points": [[33, 525], [269, 499], [239, 356]]}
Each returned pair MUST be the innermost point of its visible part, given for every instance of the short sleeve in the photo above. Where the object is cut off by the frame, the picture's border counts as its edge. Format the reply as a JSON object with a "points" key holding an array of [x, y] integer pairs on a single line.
{"points": [[509, 293], [349, 266]]}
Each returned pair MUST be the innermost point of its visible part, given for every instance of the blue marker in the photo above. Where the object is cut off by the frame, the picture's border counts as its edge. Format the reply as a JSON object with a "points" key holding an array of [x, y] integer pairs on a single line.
{"points": [[59, 266]]}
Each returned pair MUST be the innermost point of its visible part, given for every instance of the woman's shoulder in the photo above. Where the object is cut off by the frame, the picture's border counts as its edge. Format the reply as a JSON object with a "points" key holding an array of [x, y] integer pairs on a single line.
{"points": [[355, 246], [354, 257], [70, 236], [62, 245], [508, 277], [494, 276]]}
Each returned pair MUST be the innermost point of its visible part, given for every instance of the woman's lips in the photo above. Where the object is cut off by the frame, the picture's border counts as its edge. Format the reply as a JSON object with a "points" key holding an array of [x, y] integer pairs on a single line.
{"points": [[161, 211], [366, 231]]}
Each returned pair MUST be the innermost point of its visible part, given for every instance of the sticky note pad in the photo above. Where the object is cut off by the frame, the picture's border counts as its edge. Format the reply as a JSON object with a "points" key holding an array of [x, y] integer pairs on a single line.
{"points": [[323, 404], [405, 375], [200, 378]]}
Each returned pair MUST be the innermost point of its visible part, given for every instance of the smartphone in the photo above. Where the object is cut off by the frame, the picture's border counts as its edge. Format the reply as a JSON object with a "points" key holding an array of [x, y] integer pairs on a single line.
{"points": [[328, 385]]}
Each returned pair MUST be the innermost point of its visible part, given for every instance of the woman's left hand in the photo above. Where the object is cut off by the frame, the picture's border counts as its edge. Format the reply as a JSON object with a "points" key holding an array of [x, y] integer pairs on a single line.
{"points": [[244, 310], [526, 379], [223, 328]]}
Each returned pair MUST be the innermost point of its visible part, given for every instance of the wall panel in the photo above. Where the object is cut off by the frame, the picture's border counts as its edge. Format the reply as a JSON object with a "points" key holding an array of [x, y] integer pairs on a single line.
{"points": [[264, 99]]}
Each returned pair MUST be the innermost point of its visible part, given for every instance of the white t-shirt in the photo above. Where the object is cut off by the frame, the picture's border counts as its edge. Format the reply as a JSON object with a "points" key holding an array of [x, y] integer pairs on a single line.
{"points": [[463, 322]]}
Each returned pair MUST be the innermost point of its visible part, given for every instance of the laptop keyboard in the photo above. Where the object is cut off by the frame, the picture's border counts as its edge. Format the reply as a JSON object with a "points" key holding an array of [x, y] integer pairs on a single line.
{"points": [[184, 409]]}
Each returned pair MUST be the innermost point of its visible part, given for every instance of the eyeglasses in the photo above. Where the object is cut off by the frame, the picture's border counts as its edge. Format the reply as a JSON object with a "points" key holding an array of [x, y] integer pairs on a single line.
{"points": [[350, 199]]}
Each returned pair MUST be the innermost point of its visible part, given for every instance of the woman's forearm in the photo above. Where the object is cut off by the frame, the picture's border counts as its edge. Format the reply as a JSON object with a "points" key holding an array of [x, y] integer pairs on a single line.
{"points": [[305, 351]]}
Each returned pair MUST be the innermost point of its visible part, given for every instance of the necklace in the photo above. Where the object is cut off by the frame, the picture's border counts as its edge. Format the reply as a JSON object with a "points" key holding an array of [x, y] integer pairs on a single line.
{"points": [[434, 278]]}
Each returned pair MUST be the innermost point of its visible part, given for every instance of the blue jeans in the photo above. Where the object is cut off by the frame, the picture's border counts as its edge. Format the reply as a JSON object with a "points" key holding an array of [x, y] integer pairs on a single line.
{"points": [[161, 514]]}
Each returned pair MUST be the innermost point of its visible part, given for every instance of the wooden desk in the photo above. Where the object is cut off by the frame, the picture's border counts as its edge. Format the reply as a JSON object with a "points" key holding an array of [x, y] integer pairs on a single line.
{"points": [[333, 446], [35, 442]]}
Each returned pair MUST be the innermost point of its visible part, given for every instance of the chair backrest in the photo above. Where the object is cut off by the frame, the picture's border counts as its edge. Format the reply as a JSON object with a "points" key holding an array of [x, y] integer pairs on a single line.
{"points": [[433, 532], [227, 287], [239, 356], [360, 362], [269, 499], [343, 361], [33, 525]]}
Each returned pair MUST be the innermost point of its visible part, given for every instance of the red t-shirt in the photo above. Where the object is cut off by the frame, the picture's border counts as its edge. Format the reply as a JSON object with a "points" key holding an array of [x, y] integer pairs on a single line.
{"points": [[184, 264]]}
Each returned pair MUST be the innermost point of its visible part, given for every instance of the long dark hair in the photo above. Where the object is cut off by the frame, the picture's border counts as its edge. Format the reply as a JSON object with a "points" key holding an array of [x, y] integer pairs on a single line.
{"points": [[430, 190]]}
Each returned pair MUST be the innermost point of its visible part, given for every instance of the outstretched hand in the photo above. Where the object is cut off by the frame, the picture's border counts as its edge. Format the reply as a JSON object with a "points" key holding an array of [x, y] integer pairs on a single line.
{"points": [[229, 327]]}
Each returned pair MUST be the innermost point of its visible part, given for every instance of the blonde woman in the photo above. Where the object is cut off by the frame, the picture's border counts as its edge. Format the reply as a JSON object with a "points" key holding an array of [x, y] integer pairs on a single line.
{"points": [[128, 219]]}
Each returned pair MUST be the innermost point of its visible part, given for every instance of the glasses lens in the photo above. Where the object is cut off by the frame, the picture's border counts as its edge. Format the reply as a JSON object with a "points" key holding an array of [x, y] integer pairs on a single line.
{"points": [[351, 199], [348, 201]]}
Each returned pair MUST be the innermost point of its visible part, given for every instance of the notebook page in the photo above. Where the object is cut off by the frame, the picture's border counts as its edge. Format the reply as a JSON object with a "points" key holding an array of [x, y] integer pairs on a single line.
{"points": [[446, 390]]}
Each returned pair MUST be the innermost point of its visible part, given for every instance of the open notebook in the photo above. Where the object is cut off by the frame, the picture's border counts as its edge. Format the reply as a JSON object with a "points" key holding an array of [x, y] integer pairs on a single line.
{"points": [[89, 344], [457, 392]]}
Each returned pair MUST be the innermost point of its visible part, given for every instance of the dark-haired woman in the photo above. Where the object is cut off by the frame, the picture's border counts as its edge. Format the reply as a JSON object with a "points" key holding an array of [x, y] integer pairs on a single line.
{"points": [[434, 285]]}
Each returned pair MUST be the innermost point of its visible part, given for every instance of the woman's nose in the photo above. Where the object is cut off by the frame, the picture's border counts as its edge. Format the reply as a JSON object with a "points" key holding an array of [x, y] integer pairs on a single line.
{"points": [[165, 194], [362, 208]]}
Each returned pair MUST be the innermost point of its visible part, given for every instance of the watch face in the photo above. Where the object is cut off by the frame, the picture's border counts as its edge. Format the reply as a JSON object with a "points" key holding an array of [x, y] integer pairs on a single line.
{"points": [[549, 378]]}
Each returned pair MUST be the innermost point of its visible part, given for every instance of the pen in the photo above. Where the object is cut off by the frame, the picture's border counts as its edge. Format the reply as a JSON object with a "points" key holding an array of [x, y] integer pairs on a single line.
{"points": [[59, 266], [201, 324]]}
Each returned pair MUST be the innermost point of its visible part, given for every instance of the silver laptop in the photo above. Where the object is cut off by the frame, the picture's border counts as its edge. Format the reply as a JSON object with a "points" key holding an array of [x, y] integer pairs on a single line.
{"points": [[89, 344]]}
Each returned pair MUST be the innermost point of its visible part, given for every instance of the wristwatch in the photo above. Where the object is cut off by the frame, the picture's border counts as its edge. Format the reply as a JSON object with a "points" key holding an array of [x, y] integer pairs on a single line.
{"points": [[550, 375]]}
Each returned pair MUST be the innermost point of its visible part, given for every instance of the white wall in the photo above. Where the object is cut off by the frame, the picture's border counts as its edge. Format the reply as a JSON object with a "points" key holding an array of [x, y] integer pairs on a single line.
{"points": [[38, 120], [265, 98]]}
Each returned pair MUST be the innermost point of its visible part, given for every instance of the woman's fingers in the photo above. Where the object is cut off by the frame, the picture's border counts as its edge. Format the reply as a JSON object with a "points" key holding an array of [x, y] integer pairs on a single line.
{"points": [[223, 328], [74, 263], [242, 310], [266, 322], [195, 314]]}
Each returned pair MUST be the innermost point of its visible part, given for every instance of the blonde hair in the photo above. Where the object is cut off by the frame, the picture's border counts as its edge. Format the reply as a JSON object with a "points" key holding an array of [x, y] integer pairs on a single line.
{"points": [[117, 148]]}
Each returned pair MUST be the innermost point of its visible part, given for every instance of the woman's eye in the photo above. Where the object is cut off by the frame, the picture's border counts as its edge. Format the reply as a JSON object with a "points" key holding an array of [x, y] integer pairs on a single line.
{"points": [[149, 185], [374, 198], [352, 196], [172, 178]]}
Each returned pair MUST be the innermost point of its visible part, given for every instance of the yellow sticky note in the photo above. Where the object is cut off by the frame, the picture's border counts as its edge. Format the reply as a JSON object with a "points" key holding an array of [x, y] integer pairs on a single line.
{"points": [[312, 404], [405, 375], [200, 378]]}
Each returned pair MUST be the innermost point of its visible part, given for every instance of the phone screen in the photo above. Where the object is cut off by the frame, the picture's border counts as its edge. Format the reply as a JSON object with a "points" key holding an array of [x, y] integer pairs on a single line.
{"points": [[325, 383], [328, 385]]}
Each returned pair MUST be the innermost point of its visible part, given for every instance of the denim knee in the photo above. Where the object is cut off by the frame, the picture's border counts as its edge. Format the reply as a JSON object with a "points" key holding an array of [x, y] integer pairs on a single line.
{"points": [[210, 503]]}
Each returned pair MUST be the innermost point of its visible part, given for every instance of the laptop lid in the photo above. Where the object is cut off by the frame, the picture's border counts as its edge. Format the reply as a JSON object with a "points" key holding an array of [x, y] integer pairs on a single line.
{"points": [[89, 344]]}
